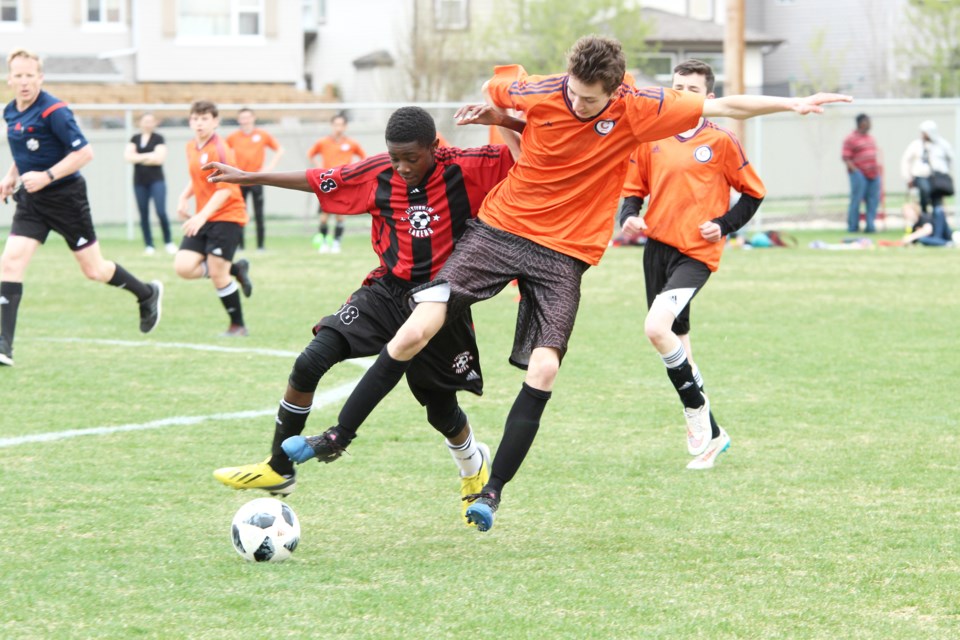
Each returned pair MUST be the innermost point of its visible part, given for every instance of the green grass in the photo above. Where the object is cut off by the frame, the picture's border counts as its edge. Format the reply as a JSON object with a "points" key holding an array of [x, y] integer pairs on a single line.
{"points": [[834, 514]]}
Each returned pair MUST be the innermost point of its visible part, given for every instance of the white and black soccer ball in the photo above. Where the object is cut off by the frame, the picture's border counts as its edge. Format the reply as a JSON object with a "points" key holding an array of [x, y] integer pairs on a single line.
{"points": [[265, 530]]}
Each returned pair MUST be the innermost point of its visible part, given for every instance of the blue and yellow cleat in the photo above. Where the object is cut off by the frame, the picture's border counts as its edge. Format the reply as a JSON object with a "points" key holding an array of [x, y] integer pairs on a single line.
{"points": [[326, 447], [473, 485]]}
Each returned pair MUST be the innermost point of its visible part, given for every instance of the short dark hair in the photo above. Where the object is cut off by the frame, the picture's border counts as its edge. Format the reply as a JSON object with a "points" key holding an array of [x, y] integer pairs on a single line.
{"points": [[694, 67], [201, 107], [246, 110], [594, 59], [411, 124], [861, 117], [342, 116]]}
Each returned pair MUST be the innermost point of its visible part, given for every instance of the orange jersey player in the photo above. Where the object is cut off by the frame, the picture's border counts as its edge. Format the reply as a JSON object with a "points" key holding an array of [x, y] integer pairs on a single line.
{"points": [[212, 234], [250, 143], [688, 178], [545, 224], [334, 150]]}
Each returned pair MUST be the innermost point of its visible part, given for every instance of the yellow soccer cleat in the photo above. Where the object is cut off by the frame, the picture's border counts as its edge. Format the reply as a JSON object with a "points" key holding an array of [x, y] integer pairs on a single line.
{"points": [[257, 476], [473, 485]]}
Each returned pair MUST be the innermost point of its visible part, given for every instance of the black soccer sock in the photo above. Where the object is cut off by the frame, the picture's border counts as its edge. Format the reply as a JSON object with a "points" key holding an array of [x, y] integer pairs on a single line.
{"points": [[10, 294], [289, 422], [523, 421], [714, 427], [125, 280], [338, 231], [324, 229], [681, 375], [230, 298], [373, 387], [233, 269]]}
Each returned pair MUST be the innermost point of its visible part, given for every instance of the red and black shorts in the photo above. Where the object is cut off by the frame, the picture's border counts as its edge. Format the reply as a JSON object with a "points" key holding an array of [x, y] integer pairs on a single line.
{"points": [[62, 207], [373, 314], [486, 259]]}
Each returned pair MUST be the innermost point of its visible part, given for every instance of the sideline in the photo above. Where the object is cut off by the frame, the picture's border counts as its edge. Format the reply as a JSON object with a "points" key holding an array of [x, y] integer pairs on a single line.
{"points": [[320, 400]]}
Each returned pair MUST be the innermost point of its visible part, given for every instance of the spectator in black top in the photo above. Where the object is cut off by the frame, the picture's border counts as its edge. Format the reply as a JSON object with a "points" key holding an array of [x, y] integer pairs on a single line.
{"points": [[147, 150]]}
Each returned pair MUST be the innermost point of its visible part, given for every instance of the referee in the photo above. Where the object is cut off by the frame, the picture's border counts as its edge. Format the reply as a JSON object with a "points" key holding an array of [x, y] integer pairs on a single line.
{"points": [[48, 151]]}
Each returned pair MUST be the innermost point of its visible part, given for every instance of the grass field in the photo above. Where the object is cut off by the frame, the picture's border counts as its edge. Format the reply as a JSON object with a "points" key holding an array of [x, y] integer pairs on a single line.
{"points": [[833, 515]]}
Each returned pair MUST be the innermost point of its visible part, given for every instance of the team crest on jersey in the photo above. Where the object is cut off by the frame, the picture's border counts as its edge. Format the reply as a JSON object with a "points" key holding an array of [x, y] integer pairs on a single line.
{"points": [[33, 144], [603, 127], [203, 158], [420, 216], [461, 362], [703, 153], [256, 137]]}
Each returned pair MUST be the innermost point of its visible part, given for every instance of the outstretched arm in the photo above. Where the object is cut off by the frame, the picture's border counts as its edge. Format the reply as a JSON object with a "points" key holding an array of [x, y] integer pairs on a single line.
{"points": [[488, 115], [743, 107], [296, 180]]}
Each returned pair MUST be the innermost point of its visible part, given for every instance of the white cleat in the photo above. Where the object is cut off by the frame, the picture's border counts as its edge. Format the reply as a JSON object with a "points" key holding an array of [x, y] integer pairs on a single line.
{"points": [[698, 428], [708, 458]]}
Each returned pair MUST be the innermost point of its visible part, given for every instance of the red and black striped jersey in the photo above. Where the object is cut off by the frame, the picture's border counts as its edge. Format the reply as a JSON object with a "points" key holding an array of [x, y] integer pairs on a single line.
{"points": [[414, 228]]}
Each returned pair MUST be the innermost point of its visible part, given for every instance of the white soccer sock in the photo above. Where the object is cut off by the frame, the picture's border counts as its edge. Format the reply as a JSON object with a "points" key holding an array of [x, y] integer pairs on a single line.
{"points": [[467, 456], [675, 357]]}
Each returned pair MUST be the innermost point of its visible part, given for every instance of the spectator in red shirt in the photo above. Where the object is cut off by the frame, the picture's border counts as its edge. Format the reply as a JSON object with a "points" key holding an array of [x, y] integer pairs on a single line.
{"points": [[860, 156]]}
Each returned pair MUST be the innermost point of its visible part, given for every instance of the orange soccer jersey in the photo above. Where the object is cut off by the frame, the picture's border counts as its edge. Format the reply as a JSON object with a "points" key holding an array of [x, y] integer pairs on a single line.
{"points": [[563, 191], [251, 148], [688, 181], [336, 153], [215, 150]]}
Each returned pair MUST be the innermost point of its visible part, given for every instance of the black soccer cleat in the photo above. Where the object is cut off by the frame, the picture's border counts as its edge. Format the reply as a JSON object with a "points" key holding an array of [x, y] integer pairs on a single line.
{"points": [[242, 268], [150, 307], [481, 512], [326, 447]]}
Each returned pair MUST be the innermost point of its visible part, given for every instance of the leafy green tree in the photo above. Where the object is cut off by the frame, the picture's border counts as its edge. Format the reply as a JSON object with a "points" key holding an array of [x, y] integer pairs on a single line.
{"points": [[931, 47]]}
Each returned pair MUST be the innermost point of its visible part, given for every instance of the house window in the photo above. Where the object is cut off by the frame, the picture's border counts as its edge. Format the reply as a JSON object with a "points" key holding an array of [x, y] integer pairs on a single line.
{"points": [[657, 66], [9, 11], [103, 12], [451, 15], [201, 18], [314, 13]]}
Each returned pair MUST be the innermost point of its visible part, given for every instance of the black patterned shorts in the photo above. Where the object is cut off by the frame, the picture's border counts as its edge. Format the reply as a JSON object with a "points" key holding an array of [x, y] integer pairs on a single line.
{"points": [[486, 259]]}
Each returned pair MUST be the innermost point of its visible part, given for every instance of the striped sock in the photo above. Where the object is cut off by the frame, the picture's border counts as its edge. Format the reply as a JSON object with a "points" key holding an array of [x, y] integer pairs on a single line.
{"points": [[467, 456]]}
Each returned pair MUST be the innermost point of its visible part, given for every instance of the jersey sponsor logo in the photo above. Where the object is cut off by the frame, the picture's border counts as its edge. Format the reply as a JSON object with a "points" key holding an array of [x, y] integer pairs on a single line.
{"points": [[348, 313], [603, 127], [703, 153], [420, 216], [33, 144], [327, 183], [461, 362]]}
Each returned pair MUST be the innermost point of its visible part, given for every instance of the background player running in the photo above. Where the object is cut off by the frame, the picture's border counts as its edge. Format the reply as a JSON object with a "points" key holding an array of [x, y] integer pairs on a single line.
{"points": [[688, 177]]}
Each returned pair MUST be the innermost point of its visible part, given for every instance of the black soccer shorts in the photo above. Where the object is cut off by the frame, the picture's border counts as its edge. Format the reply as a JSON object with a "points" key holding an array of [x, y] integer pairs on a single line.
{"points": [[61, 207]]}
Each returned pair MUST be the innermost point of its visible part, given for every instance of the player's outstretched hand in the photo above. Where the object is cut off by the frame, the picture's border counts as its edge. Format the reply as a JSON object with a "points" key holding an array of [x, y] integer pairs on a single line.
{"points": [[224, 173], [477, 114], [813, 104]]}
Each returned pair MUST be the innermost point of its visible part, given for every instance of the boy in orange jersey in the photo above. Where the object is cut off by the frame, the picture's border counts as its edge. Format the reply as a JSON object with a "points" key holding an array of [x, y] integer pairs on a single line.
{"points": [[545, 225], [688, 177], [250, 143], [212, 234], [334, 150]]}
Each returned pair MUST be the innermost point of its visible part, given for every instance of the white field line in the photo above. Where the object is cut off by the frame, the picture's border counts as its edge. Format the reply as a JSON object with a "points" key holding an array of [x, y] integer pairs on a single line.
{"points": [[322, 399]]}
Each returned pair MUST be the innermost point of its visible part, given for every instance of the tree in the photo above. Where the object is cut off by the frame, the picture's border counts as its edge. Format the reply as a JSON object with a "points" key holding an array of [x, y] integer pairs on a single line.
{"points": [[931, 47], [538, 33]]}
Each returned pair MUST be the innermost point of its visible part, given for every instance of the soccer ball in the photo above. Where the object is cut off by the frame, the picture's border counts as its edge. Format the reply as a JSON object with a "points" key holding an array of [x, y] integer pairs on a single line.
{"points": [[265, 530]]}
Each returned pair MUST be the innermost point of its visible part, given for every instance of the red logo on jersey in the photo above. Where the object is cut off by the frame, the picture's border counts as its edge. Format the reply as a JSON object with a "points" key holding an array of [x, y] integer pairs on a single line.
{"points": [[17, 127]]}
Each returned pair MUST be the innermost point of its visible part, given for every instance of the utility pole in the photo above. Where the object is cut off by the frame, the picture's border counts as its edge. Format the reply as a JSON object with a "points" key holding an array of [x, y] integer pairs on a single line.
{"points": [[733, 57]]}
